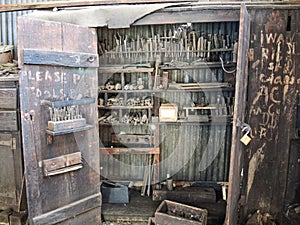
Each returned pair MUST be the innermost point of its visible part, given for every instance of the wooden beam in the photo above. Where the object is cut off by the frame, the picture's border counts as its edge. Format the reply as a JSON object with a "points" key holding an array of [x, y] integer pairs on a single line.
{"points": [[70, 210], [78, 3], [117, 151], [186, 195], [58, 58]]}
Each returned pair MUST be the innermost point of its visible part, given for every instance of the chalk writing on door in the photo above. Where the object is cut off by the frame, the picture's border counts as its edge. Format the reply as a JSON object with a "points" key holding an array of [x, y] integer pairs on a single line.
{"points": [[56, 85], [276, 74]]}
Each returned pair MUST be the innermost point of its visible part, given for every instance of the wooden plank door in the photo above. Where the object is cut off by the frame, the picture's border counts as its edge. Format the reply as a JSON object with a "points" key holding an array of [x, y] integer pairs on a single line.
{"points": [[58, 94], [239, 114]]}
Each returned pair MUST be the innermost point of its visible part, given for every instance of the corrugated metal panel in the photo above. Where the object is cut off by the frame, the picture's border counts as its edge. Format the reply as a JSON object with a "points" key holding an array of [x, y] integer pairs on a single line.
{"points": [[8, 35], [189, 152], [196, 152]]}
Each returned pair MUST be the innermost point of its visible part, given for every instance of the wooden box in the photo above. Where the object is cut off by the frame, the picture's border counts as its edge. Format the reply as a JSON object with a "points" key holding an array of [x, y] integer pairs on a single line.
{"points": [[168, 112], [66, 124], [172, 213]]}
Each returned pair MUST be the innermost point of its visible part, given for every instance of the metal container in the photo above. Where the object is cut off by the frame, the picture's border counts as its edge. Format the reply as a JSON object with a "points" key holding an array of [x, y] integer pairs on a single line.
{"points": [[6, 53], [115, 193]]}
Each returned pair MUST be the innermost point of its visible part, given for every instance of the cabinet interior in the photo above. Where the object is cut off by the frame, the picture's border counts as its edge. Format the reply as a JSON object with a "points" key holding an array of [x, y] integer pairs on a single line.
{"points": [[189, 67]]}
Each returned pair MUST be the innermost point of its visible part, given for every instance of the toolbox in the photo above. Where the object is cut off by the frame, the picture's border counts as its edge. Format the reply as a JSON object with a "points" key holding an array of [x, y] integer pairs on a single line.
{"points": [[168, 112]]}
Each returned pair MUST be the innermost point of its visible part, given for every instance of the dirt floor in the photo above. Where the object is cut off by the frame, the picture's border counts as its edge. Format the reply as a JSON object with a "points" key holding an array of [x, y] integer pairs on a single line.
{"points": [[141, 208], [136, 212]]}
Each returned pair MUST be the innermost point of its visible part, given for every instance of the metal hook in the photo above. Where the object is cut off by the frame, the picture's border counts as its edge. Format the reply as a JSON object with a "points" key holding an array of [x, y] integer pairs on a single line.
{"points": [[222, 63]]}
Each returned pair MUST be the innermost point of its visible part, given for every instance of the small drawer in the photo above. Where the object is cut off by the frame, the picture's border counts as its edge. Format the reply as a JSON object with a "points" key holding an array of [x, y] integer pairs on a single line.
{"points": [[8, 98]]}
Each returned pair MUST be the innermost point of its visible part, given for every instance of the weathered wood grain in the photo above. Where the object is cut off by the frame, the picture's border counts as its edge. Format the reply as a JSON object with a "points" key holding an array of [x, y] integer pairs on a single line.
{"points": [[8, 98], [186, 195], [9, 121], [64, 196], [56, 58], [272, 107], [69, 211], [239, 114], [11, 172]]}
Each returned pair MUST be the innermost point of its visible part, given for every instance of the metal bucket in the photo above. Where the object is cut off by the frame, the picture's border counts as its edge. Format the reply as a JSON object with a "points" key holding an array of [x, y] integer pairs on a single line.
{"points": [[6, 53]]}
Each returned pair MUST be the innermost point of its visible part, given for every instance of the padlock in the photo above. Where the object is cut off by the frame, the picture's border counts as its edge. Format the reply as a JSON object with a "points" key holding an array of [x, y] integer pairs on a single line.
{"points": [[245, 139]]}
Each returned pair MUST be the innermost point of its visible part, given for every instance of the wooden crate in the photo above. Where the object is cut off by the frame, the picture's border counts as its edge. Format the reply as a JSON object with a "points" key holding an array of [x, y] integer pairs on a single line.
{"points": [[172, 213]]}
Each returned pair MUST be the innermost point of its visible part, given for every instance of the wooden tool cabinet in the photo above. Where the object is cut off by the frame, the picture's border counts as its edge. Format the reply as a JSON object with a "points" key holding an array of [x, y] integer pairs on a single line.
{"points": [[197, 62], [12, 189], [170, 56]]}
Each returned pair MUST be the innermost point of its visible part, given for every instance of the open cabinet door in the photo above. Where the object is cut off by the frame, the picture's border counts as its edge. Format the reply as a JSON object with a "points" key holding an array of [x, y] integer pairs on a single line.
{"points": [[58, 94], [239, 114]]}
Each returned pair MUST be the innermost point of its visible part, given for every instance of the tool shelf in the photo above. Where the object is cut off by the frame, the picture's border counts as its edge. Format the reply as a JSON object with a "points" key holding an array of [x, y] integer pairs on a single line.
{"points": [[179, 89], [65, 117], [129, 150], [194, 65], [185, 67], [126, 91], [210, 122], [68, 131], [115, 53], [64, 103]]}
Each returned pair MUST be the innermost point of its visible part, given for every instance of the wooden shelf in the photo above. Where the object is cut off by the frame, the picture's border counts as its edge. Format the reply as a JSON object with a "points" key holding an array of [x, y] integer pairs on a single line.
{"points": [[125, 107], [164, 51], [199, 107], [139, 150], [194, 65], [68, 131], [194, 90], [126, 91], [197, 86], [212, 122], [57, 104], [126, 69]]}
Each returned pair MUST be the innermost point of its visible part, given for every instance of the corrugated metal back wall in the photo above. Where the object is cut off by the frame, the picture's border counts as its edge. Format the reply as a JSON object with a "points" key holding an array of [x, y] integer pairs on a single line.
{"points": [[180, 162], [9, 22]]}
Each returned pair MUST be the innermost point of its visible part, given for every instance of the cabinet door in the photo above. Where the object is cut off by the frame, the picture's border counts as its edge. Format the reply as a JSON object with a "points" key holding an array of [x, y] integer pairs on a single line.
{"points": [[10, 171], [59, 70], [239, 114]]}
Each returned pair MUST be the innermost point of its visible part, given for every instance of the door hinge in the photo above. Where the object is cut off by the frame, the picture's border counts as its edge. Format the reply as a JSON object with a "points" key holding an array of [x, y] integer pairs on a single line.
{"points": [[9, 143]]}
